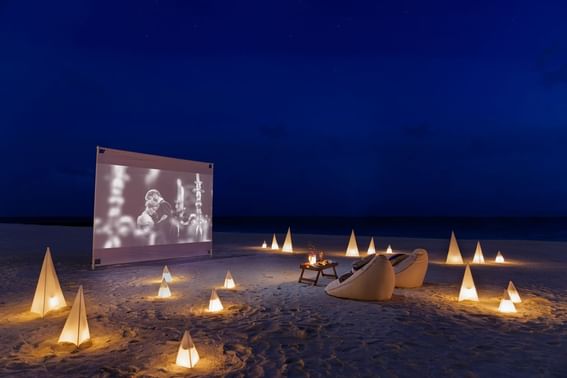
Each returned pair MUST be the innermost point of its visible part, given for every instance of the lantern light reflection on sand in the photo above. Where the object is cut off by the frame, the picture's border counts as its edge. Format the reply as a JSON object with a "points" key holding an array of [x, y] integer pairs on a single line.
{"points": [[215, 304], [275, 242], [478, 256], [506, 304], [229, 281], [164, 291], [187, 355], [352, 248], [468, 289], [287, 245], [76, 329], [166, 275], [513, 292], [371, 247], [499, 258]]}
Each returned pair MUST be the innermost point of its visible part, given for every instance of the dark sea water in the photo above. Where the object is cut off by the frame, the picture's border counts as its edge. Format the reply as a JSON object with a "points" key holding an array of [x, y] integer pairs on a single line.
{"points": [[549, 229]]}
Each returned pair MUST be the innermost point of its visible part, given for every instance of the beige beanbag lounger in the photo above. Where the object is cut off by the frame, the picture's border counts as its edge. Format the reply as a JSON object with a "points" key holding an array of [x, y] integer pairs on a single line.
{"points": [[372, 280], [410, 268]]}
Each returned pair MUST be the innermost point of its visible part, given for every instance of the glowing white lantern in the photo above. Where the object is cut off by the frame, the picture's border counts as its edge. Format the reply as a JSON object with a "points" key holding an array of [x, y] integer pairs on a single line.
{"points": [[229, 281], [389, 250], [478, 256], [76, 328], [371, 247], [166, 275], [506, 304], [454, 253], [513, 293], [287, 246], [468, 289], [215, 304], [187, 355], [48, 295], [275, 243], [164, 291], [499, 258], [312, 259], [352, 248], [264, 245]]}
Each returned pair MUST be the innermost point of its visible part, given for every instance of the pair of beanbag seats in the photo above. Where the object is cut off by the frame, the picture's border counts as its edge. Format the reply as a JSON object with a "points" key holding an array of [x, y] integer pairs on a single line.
{"points": [[374, 277]]}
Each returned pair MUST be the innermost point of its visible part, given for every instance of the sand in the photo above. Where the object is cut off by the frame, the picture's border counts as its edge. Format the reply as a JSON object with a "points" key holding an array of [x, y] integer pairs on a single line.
{"points": [[273, 326]]}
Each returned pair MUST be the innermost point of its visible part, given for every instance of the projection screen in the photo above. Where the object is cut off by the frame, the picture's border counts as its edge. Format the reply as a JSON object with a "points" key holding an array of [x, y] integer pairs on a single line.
{"points": [[150, 207]]}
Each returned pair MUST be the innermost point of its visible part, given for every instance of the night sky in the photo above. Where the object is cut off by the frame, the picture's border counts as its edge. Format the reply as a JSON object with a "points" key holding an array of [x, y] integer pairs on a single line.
{"points": [[306, 107]]}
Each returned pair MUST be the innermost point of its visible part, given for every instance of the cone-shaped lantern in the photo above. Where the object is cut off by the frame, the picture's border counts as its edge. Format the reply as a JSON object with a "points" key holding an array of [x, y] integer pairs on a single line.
{"points": [[352, 248], [229, 281], [275, 243], [371, 247], [187, 355], [287, 246], [48, 295], [506, 304], [389, 250], [513, 293], [454, 254], [478, 256], [468, 290], [499, 258], [166, 275], [264, 245], [76, 329], [164, 291], [215, 304]]}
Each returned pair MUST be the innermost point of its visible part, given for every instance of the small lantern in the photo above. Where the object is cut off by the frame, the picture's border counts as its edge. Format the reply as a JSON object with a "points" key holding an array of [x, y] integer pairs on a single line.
{"points": [[468, 289], [275, 242], [187, 355], [48, 295], [164, 291], [454, 254], [499, 258], [287, 245], [215, 304], [264, 245], [352, 248], [312, 259], [389, 250], [478, 256], [229, 281], [513, 292], [371, 247], [76, 328], [166, 275], [506, 304]]}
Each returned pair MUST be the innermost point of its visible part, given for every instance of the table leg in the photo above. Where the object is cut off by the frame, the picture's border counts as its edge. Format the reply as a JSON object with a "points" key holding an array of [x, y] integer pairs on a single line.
{"points": [[301, 275], [334, 270], [317, 278]]}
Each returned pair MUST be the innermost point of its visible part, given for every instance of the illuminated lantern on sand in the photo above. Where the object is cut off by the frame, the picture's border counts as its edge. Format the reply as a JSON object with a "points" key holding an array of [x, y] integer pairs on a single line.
{"points": [[352, 248], [264, 245], [76, 329], [187, 355], [499, 258], [166, 275], [478, 256], [454, 254], [215, 304], [287, 246], [275, 243], [468, 290], [389, 250], [506, 304], [371, 247], [164, 291], [513, 293], [229, 281], [48, 295]]}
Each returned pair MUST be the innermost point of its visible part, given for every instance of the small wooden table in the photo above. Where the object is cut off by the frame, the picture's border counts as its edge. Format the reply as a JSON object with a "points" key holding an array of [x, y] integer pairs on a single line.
{"points": [[320, 269]]}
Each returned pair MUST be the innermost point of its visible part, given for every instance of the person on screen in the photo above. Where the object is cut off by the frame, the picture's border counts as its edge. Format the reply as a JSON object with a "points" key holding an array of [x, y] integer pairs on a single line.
{"points": [[145, 221], [163, 209]]}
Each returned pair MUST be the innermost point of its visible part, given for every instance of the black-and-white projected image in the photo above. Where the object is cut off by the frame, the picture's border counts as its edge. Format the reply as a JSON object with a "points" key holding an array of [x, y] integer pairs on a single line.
{"points": [[144, 207]]}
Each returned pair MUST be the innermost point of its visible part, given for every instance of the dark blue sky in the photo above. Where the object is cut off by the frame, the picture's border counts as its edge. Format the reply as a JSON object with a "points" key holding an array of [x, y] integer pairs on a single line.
{"points": [[305, 107]]}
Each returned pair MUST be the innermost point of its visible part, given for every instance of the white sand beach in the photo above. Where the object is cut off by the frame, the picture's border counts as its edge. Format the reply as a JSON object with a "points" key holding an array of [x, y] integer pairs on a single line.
{"points": [[274, 326]]}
